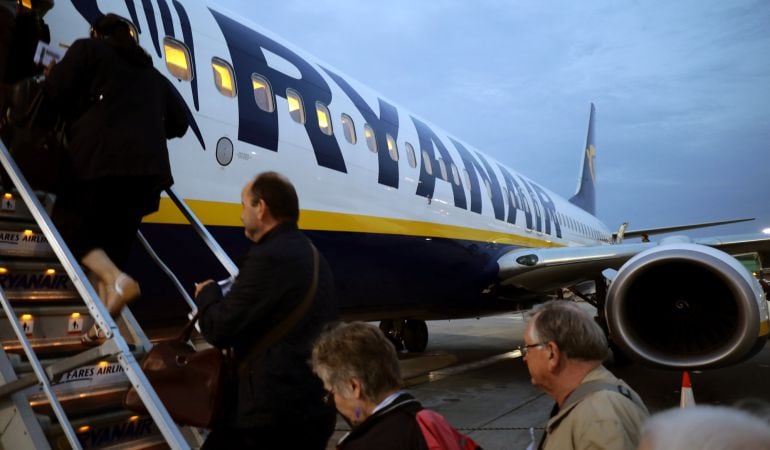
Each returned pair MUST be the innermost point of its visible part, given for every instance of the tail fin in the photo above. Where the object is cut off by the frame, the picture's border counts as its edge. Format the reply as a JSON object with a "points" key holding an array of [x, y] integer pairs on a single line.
{"points": [[585, 197]]}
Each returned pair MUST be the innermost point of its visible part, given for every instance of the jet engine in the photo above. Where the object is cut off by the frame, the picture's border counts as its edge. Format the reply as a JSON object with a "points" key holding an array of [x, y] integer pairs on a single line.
{"points": [[686, 306]]}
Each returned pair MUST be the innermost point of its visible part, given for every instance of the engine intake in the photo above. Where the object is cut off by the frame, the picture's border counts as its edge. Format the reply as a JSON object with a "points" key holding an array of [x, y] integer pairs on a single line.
{"points": [[685, 306]]}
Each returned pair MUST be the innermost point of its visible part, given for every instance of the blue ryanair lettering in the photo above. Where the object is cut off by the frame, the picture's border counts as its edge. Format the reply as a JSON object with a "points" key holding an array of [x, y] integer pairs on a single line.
{"points": [[187, 36], [386, 123], [494, 187], [549, 210], [427, 185], [165, 17], [515, 200], [535, 205], [88, 9], [474, 171], [132, 12], [149, 14], [259, 127]]}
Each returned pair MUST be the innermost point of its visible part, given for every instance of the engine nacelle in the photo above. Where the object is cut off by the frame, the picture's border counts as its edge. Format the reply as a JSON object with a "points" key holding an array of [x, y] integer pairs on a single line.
{"points": [[686, 306]]}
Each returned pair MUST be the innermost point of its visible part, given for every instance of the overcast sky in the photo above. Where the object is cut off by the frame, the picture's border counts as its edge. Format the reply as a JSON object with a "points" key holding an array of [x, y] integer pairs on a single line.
{"points": [[682, 90]]}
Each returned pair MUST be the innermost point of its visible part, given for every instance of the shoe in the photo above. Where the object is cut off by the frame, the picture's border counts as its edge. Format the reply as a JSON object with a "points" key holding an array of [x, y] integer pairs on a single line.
{"points": [[93, 337], [124, 291]]}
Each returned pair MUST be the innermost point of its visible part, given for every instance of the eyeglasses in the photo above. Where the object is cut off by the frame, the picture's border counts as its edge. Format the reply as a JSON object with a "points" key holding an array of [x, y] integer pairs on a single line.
{"points": [[524, 349], [329, 397]]}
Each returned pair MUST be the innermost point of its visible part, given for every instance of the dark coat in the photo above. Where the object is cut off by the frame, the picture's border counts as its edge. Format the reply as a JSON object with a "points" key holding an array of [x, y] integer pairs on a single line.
{"points": [[280, 387], [393, 427], [120, 111]]}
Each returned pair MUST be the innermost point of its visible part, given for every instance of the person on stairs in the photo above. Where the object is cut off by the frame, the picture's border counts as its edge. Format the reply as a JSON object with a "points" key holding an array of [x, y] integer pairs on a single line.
{"points": [[120, 111]]}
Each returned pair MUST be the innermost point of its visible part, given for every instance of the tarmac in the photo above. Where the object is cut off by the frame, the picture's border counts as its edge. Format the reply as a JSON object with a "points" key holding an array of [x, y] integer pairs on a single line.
{"points": [[471, 375]]}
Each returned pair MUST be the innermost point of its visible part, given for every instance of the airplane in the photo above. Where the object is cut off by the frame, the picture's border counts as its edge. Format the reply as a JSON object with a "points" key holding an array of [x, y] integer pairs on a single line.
{"points": [[417, 224]]}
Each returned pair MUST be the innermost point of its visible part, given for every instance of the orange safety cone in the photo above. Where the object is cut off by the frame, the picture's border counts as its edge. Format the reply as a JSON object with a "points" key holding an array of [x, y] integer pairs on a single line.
{"points": [[687, 398]]}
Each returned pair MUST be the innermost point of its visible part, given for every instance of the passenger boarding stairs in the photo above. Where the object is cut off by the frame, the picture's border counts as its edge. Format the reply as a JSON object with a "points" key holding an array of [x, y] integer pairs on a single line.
{"points": [[55, 392]]}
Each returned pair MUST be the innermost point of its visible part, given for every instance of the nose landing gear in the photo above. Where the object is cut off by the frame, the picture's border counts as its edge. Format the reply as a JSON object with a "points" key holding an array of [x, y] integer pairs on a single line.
{"points": [[411, 335]]}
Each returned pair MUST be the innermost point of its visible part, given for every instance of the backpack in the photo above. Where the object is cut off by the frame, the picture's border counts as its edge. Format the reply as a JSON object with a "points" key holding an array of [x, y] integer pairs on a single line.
{"points": [[439, 435], [35, 135]]}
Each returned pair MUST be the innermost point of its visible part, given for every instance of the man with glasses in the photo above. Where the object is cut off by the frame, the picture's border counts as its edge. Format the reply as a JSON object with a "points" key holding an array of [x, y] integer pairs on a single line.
{"points": [[564, 349]]}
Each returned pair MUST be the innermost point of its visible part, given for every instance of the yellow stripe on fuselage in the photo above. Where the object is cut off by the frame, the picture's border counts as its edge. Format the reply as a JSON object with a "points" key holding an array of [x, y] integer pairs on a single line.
{"points": [[229, 215]]}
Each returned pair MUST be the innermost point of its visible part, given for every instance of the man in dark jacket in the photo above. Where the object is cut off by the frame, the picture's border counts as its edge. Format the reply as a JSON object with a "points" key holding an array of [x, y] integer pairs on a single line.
{"points": [[278, 401]]}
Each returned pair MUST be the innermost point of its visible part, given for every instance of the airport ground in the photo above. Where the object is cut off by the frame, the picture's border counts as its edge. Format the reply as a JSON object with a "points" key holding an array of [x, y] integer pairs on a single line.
{"points": [[471, 375]]}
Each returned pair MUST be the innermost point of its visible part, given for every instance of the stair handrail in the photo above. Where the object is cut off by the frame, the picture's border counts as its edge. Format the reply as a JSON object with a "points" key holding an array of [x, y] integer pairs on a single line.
{"points": [[204, 234], [139, 381], [169, 273]]}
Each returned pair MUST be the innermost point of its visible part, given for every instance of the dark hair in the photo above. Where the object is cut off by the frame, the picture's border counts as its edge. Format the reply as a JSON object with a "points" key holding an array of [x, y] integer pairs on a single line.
{"points": [[116, 31], [279, 195], [575, 332]]}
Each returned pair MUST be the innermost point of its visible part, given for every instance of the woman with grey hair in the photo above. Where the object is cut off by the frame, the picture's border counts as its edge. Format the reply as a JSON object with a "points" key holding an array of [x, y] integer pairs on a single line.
{"points": [[360, 372], [705, 428]]}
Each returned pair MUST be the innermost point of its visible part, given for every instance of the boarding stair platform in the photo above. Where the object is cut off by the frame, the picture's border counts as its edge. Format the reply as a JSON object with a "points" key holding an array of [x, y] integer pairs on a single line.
{"points": [[56, 393]]}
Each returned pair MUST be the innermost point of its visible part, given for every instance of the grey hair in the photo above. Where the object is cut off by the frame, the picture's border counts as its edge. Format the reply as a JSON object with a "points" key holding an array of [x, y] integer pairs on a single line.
{"points": [[706, 428], [575, 332], [357, 350]]}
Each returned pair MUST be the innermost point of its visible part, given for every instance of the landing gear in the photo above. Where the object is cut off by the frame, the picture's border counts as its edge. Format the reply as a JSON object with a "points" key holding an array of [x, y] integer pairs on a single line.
{"points": [[409, 334]]}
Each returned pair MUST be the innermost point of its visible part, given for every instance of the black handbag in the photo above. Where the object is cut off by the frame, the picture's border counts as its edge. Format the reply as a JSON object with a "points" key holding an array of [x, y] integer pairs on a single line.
{"points": [[189, 383], [36, 136]]}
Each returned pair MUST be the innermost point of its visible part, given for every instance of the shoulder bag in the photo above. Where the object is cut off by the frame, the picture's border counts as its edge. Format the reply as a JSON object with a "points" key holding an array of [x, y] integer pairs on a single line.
{"points": [[189, 382]]}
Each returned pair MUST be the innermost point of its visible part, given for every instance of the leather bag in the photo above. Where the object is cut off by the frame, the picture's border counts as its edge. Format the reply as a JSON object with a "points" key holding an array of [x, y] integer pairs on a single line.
{"points": [[186, 381]]}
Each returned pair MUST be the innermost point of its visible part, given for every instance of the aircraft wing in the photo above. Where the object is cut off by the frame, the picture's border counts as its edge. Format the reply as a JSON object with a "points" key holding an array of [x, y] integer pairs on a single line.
{"points": [[645, 233], [546, 269]]}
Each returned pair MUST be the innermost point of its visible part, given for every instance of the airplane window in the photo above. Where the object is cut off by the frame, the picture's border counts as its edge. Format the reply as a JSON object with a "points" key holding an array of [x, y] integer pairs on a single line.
{"points": [[224, 78], [410, 155], [455, 175], [426, 162], [296, 109], [263, 93], [489, 188], [442, 168], [468, 179], [371, 140], [348, 128], [392, 149], [177, 59], [324, 118]]}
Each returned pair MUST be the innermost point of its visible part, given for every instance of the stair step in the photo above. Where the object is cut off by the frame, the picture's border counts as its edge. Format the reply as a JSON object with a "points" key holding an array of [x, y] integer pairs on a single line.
{"points": [[113, 430], [13, 209], [35, 280], [84, 402], [44, 326], [18, 240]]}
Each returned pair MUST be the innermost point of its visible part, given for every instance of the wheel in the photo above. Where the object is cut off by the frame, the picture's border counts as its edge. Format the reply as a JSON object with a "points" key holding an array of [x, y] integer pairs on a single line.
{"points": [[415, 335], [388, 328]]}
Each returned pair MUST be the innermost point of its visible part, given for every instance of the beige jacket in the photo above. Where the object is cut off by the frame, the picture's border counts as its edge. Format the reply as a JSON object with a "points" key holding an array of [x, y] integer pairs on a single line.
{"points": [[604, 419]]}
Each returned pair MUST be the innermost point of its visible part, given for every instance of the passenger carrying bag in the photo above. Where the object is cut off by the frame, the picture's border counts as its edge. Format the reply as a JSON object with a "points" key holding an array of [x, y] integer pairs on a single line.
{"points": [[186, 381], [35, 135], [189, 383], [439, 435]]}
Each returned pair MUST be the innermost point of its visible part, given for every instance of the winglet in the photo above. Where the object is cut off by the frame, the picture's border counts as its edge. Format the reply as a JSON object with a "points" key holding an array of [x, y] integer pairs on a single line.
{"points": [[585, 197]]}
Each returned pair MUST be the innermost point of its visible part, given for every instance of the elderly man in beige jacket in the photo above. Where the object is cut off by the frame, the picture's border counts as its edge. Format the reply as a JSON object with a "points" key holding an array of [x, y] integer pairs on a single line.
{"points": [[564, 349]]}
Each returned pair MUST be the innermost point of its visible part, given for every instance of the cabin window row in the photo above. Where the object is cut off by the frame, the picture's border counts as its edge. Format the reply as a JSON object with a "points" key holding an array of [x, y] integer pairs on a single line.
{"points": [[178, 63]]}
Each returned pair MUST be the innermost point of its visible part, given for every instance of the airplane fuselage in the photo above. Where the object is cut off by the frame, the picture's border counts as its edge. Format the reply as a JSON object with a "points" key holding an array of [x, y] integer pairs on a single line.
{"points": [[411, 219]]}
